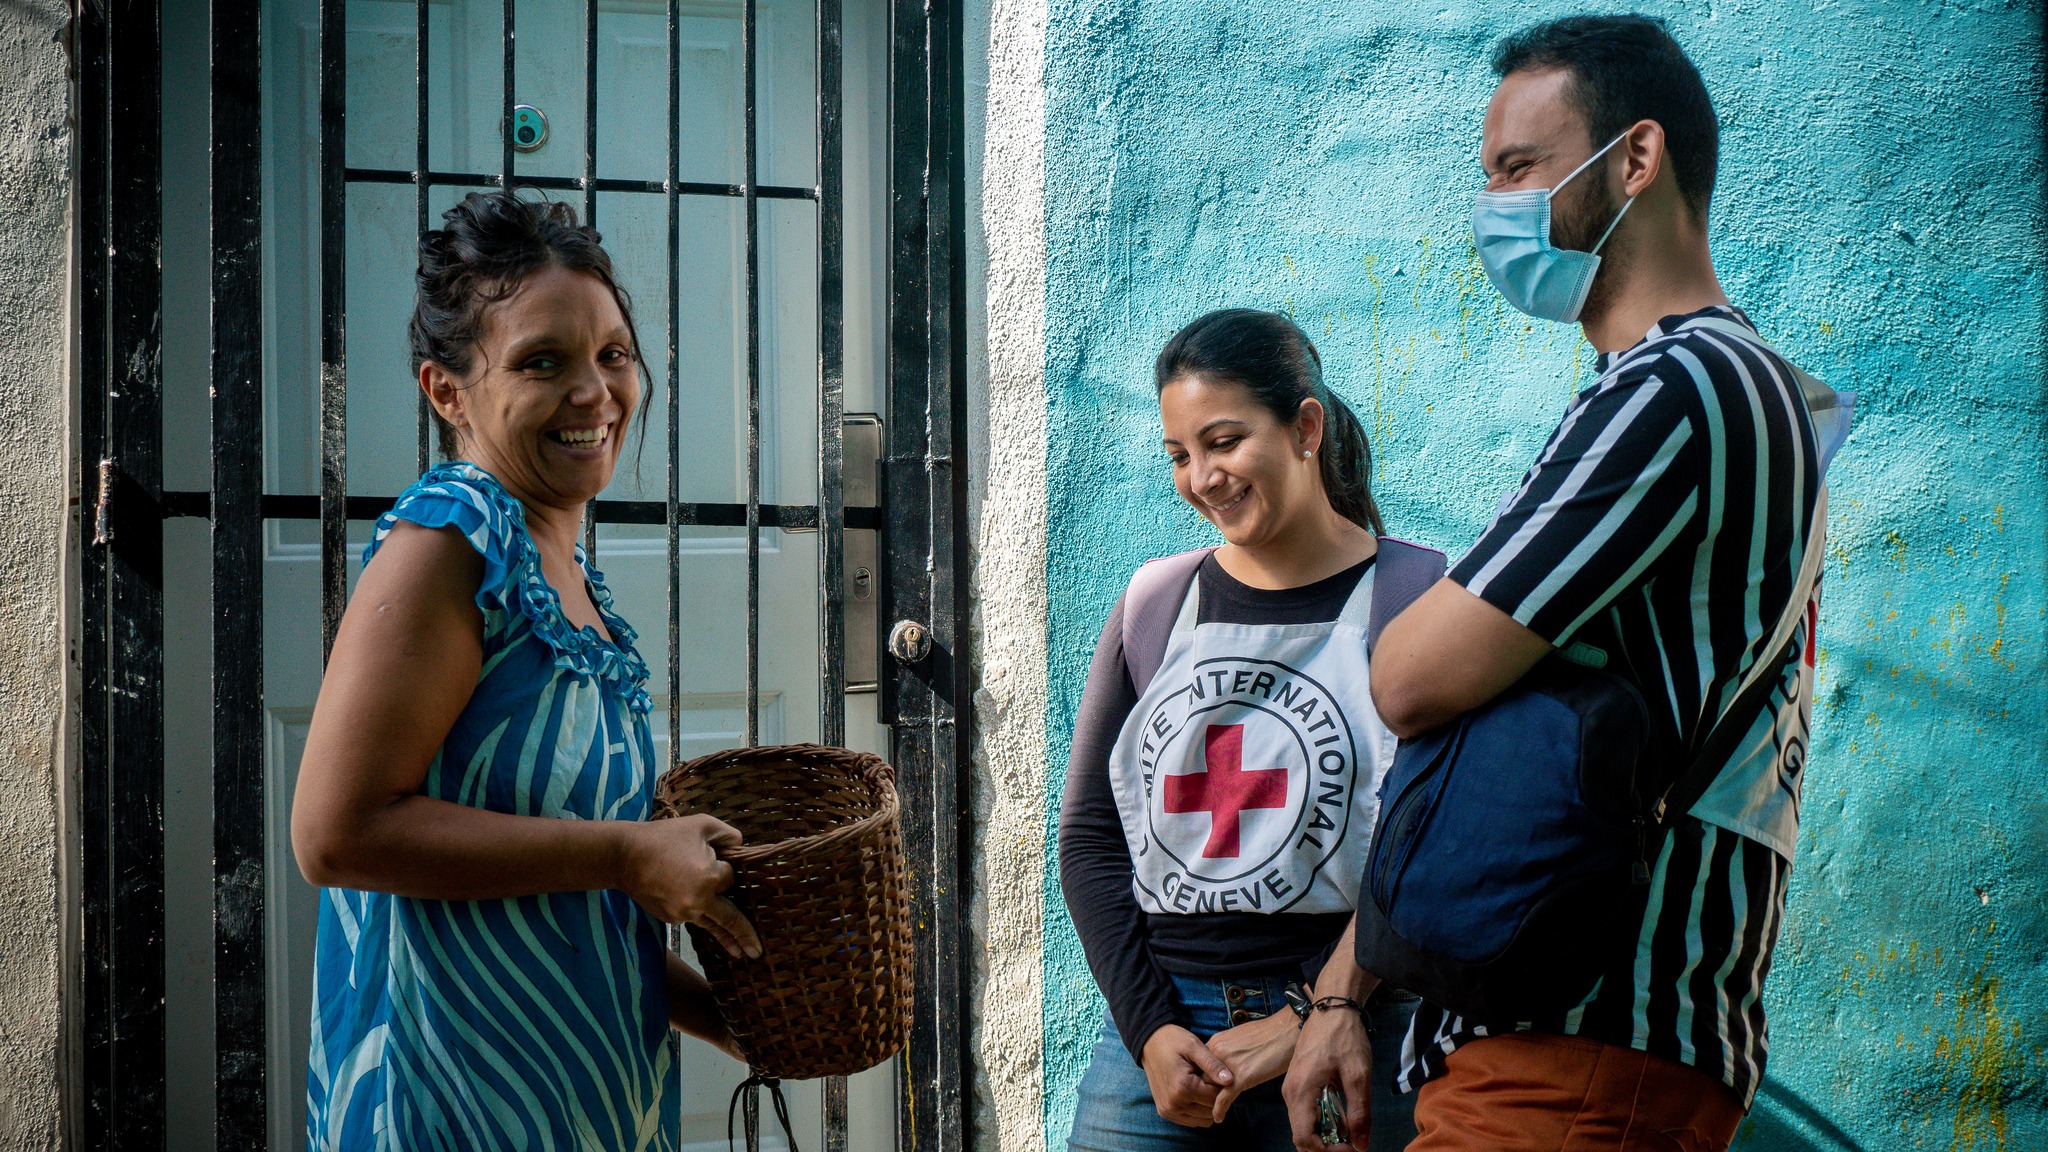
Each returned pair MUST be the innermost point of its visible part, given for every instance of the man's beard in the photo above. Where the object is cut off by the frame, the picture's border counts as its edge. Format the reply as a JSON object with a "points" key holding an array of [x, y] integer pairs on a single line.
{"points": [[1579, 225]]}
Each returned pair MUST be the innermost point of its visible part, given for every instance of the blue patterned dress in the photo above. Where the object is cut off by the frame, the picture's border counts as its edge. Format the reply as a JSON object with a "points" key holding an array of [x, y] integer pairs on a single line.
{"points": [[532, 1023]]}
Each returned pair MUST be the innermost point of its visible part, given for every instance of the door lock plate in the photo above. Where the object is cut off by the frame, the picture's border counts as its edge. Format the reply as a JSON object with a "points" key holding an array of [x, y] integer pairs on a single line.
{"points": [[861, 600]]}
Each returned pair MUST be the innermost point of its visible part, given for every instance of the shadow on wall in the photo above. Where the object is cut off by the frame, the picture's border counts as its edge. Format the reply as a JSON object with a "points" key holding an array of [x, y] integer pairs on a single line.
{"points": [[1783, 1121]]}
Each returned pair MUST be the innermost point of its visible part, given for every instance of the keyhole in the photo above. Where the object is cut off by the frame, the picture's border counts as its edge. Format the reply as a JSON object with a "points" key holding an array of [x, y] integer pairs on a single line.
{"points": [[909, 641]]}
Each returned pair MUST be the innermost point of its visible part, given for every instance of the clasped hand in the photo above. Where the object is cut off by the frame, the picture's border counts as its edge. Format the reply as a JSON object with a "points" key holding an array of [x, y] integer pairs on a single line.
{"points": [[1194, 1084], [1333, 1050]]}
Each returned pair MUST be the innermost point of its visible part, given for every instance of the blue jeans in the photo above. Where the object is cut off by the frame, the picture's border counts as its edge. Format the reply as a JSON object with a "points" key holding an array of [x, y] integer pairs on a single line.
{"points": [[1115, 1112]]}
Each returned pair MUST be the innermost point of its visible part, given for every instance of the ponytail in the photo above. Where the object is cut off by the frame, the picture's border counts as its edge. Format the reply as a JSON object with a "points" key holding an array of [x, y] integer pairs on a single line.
{"points": [[1347, 466], [1277, 363]]}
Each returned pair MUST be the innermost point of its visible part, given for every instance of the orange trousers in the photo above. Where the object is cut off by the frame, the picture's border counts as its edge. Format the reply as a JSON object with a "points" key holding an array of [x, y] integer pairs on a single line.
{"points": [[1527, 1092]]}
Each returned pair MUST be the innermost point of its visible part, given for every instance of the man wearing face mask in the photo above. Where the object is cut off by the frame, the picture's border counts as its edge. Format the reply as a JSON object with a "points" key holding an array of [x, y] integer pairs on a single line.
{"points": [[1667, 525]]}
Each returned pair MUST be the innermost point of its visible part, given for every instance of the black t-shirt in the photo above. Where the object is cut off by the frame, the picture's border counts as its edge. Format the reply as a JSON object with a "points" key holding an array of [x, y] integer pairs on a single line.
{"points": [[1131, 951]]}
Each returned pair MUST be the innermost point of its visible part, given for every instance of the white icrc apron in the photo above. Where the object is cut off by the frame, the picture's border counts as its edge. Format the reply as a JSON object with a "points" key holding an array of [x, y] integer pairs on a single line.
{"points": [[1248, 774]]}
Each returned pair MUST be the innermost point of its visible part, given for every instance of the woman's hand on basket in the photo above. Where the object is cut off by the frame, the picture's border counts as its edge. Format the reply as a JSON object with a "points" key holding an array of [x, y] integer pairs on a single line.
{"points": [[671, 868]]}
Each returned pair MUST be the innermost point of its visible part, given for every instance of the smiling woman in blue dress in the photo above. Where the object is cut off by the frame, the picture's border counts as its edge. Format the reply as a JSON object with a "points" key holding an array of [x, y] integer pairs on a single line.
{"points": [[480, 766]]}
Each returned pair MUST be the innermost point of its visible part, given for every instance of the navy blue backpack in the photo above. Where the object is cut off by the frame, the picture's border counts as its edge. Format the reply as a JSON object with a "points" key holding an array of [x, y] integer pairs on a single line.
{"points": [[1514, 844], [1507, 847]]}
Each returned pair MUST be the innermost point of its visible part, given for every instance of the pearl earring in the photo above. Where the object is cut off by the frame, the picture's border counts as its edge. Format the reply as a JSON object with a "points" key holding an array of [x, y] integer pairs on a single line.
{"points": [[1307, 454]]}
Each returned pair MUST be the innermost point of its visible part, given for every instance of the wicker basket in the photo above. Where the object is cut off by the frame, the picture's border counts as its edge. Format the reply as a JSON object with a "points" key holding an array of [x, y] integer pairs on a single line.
{"points": [[821, 877]]}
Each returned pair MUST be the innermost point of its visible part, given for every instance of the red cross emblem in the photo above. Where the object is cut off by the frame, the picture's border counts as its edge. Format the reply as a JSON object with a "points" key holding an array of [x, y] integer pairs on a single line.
{"points": [[1225, 790]]}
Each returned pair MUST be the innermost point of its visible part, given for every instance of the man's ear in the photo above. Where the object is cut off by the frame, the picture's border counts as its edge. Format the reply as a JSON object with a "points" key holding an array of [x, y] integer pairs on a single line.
{"points": [[1642, 157], [445, 392]]}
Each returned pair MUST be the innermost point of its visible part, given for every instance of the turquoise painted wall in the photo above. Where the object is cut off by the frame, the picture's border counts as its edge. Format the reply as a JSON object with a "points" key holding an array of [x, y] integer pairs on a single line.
{"points": [[1880, 215]]}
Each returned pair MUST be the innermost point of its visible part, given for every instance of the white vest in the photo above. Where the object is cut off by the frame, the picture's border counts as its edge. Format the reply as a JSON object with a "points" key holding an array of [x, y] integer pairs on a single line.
{"points": [[1248, 774]]}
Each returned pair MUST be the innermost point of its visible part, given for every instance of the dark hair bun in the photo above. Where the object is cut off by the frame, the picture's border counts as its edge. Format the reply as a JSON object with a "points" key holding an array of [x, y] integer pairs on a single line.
{"points": [[489, 244]]}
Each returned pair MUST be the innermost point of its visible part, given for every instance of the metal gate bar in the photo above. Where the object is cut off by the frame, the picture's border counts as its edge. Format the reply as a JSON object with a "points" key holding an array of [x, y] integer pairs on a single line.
{"points": [[334, 506], [750, 164], [289, 506], [240, 1026], [589, 186], [576, 184], [672, 513], [421, 161], [120, 1014], [507, 76], [831, 446], [925, 553], [589, 112], [833, 515]]}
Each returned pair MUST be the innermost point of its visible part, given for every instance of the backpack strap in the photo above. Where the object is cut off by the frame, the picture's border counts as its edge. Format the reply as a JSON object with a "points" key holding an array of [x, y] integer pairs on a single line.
{"points": [[1401, 575], [1151, 605], [1754, 692]]}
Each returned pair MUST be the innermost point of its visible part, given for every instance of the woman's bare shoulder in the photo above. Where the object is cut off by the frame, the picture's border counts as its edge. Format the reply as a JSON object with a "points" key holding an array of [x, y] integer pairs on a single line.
{"points": [[422, 572]]}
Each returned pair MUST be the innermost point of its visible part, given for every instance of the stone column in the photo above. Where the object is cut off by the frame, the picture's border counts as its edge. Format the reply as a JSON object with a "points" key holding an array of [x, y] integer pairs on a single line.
{"points": [[35, 550]]}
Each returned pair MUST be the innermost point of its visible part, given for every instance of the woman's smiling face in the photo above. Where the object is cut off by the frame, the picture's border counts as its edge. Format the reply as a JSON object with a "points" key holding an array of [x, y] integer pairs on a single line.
{"points": [[1240, 466], [550, 391]]}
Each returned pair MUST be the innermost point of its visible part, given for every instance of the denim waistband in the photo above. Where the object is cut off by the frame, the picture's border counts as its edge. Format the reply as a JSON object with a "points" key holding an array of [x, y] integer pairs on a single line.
{"points": [[1212, 1004]]}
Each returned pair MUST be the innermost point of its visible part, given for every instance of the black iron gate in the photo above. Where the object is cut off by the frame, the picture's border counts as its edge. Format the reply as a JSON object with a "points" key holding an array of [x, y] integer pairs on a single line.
{"points": [[921, 513]]}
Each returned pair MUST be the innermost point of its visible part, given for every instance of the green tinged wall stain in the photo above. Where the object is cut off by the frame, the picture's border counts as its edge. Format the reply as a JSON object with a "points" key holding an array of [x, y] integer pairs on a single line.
{"points": [[1982, 1065]]}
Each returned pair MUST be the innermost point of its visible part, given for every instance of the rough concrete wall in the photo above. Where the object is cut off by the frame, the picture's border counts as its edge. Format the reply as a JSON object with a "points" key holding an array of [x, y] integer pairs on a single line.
{"points": [[35, 146], [1879, 213], [1007, 507]]}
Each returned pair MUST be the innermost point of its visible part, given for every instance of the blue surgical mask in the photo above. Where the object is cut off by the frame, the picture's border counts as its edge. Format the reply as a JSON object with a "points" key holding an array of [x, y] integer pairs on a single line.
{"points": [[1512, 232]]}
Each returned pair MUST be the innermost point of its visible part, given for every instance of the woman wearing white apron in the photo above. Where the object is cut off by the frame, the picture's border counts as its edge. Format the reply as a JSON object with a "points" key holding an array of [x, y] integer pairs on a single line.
{"points": [[1222, 788]]}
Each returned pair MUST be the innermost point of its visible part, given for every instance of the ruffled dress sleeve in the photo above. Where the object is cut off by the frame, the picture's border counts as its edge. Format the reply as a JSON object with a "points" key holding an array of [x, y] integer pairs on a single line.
{"points": [[463, 497], [513, 589]]}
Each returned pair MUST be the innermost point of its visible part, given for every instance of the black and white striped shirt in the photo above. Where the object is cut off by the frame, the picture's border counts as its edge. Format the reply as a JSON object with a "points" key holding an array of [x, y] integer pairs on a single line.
{"points": [[1668, 516]]}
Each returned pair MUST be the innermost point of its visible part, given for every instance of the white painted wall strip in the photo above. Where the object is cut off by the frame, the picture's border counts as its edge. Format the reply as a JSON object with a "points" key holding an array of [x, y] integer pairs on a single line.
{"points": [[1008, 509]]}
